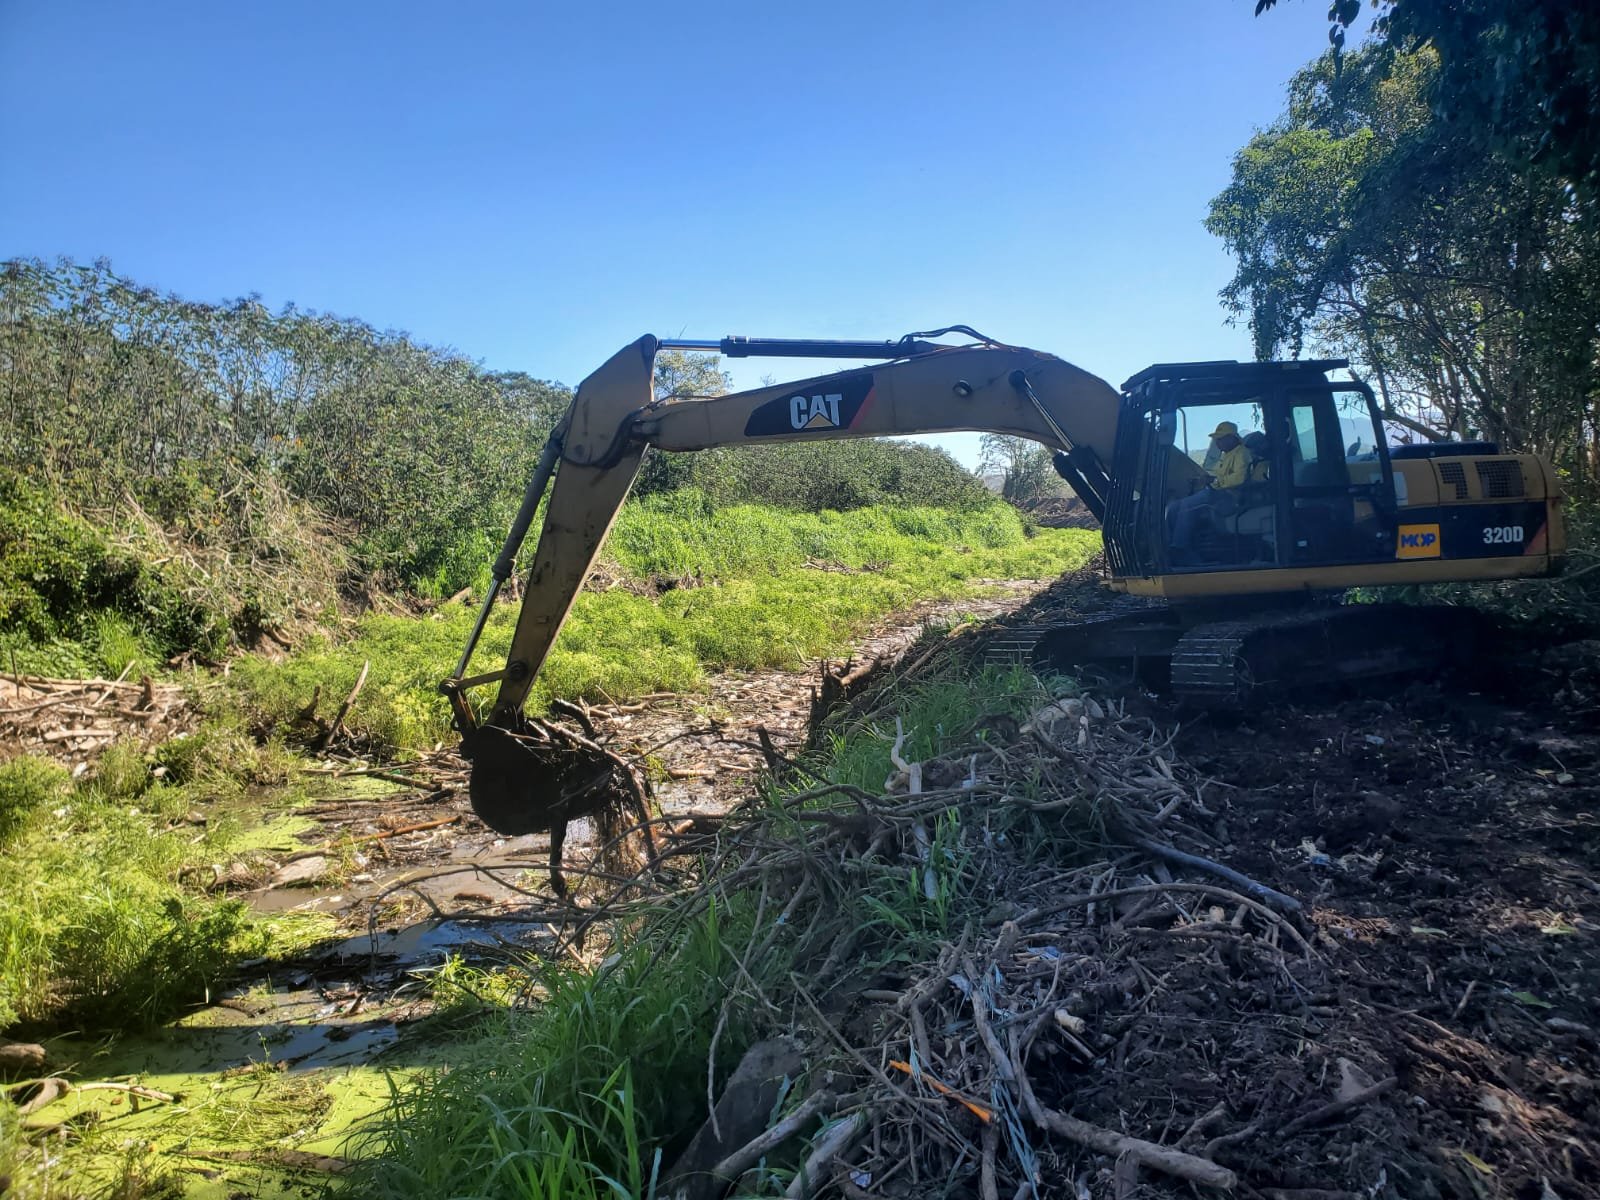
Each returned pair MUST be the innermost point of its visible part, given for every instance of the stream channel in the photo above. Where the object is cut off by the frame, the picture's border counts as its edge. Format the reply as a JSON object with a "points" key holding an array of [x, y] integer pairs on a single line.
{"points": [[258, 1092]]}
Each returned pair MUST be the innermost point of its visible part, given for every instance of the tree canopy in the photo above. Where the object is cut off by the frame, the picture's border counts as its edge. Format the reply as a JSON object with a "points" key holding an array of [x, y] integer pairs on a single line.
{"points": [[1518, 80], [1024, 467], [1467, 285], [248, 432]]}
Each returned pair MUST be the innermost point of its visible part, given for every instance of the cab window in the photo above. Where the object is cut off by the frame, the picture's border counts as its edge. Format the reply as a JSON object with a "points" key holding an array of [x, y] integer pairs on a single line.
{"points": [[1305, 436], [1197, 422]]}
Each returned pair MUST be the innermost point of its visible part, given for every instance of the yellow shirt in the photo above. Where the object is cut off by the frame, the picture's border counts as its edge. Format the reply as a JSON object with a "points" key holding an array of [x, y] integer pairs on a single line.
{"points": [[1233, 468]]}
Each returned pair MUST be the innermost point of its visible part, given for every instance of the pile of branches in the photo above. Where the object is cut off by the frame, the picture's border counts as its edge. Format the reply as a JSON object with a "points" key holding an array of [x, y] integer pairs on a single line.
{"points": [[1085, 847], [73, 720]]}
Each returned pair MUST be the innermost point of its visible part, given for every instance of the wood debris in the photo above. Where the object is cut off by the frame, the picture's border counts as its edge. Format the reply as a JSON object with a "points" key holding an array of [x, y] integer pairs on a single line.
{"points": [[74, 720]]}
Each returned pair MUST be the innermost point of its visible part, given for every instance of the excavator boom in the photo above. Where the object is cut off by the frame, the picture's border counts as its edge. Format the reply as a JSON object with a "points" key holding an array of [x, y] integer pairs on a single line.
{"points": [[596, 451]]}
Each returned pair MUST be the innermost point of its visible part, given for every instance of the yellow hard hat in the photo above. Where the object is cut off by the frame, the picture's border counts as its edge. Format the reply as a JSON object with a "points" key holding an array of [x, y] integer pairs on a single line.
{"points": [[1224, 429]]}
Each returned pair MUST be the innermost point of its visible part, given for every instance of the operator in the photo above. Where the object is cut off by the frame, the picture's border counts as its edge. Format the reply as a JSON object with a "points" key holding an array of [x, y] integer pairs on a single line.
{"points": [[1220, 496]]}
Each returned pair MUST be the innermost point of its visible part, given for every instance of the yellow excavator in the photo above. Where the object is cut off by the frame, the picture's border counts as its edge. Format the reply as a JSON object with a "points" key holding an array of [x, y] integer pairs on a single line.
{"points": [[1327, 505]]}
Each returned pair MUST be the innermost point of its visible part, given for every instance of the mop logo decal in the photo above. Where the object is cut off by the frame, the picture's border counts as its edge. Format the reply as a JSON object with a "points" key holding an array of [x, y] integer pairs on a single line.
{"points": [[1418, 541], [838, 404]]}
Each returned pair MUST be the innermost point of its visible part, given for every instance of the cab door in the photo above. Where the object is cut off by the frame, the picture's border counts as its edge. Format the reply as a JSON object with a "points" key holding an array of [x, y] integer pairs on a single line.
{"points": [[1341, 496]]}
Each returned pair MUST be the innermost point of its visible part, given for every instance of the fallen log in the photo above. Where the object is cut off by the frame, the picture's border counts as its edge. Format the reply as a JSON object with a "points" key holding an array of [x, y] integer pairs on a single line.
{"points": [[21, 1058]]}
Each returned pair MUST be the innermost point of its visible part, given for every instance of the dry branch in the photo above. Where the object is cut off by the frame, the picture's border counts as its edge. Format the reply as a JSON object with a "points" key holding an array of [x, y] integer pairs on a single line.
{"points": [[1106, 1141], [1259, 890], [328, 738], [830, 1146], [746, 1156], [1338, 1107]]}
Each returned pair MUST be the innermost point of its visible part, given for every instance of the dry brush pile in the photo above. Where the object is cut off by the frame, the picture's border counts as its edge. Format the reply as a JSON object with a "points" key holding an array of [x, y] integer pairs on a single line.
{"points": [[72, 720], [960, 1069], [1050, 948], [1072, 995]]}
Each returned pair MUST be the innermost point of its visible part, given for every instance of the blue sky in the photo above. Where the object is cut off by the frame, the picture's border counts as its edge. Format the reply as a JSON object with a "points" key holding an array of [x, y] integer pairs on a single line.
{"points": [[536, 184]]}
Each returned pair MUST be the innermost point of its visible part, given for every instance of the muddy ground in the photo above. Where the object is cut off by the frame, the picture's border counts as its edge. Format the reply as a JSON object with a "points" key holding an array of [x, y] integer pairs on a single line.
{"points": [[415, 847], [1444, 836]]}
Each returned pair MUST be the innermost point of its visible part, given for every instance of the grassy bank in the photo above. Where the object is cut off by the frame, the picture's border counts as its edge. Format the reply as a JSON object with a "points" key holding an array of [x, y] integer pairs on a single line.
{"points": [[754, 587], [105, 922], [593, 1088]]}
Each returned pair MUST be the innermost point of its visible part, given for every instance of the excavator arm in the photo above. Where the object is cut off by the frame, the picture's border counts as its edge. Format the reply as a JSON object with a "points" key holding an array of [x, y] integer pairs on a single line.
{"points": [[596, 451]]}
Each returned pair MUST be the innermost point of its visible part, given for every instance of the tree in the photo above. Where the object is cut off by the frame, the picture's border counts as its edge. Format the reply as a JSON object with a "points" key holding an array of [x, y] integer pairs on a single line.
{"points": [[679, 376], [204, 413], [1518, 80], [1025, 466], [1466, 287]]}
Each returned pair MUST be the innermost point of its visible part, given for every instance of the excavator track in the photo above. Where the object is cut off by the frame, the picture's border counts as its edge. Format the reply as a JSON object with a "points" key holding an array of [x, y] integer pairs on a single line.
{"points": [[1126, 644], [1235, 663], [1014, 645], [1209, 665], [1229, 664]]}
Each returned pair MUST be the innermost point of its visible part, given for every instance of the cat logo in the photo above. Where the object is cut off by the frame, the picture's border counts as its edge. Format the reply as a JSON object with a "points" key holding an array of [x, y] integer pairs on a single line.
{"points": [[787, 415], [815, 412], [1418, 541]]}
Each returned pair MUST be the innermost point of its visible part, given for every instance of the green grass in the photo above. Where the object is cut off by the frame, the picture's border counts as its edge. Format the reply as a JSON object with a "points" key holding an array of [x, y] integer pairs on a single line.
{"points": [[98, 925], [604, 1078], [763, 601], [76, 600], [683, 533]]}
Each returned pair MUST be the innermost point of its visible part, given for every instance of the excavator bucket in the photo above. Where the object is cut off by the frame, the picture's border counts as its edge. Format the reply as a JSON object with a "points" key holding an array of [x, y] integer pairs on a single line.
{"points": [[506, 781], [537, 779]]}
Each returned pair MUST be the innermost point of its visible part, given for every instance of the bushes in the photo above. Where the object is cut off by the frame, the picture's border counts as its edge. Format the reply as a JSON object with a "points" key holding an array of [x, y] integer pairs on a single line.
{"points": [[215, 417], [241, 434], [63, 580], [28, 784], [813, 476]]}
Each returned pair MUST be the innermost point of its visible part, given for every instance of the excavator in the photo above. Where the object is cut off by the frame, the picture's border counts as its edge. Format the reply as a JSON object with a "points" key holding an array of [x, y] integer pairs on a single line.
{"points": [[1239, 603]]}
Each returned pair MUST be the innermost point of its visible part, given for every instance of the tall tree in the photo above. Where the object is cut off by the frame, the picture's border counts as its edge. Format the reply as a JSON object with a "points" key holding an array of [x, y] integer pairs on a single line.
{"points": [[679, 376], [1024, 466], [1520, 80], [1469, 289]]}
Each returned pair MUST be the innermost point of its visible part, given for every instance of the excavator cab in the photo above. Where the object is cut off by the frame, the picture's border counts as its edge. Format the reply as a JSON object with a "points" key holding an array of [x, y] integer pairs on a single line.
{"points": [[1316, 487]]}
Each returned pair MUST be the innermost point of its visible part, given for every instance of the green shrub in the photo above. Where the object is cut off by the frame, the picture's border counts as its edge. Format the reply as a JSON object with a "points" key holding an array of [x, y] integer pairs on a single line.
{"points": [[133, 953], [63, 583], [28, 784], [95, 927], [122, 772], [119, 646], [221, 751]]}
